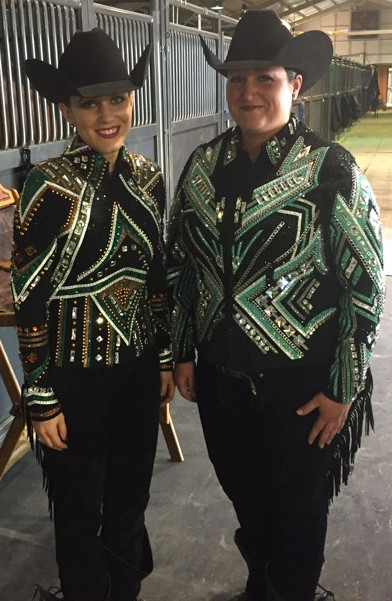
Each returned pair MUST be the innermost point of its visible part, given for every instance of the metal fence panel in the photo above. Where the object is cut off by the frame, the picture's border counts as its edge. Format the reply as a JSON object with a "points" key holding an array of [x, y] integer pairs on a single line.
{"points": [[31, 29], [194, 83]]}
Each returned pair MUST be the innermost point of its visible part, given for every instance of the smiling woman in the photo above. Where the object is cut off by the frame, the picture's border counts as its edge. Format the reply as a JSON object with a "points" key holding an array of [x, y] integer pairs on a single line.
{"points": [[274, 245], [88, 282], [103, 122], [260, 102]]}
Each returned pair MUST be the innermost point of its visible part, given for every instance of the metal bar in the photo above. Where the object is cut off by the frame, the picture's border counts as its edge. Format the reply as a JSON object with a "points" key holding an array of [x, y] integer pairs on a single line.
{"points": [[24, 93], [71, 3], [143, 95], [174, 92], [88, 18], [187, 29], [50, 33], [57, 32], [19, 124], [167, 88], [200, 10], [157, 79], [150, 78], [11, 116], [220, 88], [180, 73], [119, 12], [4, 138], [36, 132], [43, 104]]}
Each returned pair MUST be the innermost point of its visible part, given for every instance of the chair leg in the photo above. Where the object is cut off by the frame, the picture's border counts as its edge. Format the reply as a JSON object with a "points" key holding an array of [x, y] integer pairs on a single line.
{"points": [[13, 446], [170, 435]]}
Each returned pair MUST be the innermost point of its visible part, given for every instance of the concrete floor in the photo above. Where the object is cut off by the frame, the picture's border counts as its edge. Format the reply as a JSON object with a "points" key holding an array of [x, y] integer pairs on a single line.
{"points": [[191, 523]]}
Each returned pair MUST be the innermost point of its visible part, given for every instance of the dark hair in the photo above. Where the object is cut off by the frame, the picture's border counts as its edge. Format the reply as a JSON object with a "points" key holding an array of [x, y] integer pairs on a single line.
{"points": [[291, 74], [67, 100]]}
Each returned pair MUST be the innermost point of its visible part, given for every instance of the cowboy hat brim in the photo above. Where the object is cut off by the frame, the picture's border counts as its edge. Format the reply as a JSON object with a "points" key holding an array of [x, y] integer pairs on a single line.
{"points": [[308, 54], [55, 86]]}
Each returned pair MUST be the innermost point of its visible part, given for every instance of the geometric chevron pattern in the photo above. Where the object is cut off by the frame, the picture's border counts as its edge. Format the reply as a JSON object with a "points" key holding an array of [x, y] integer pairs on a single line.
{"points": [[297, 257]]}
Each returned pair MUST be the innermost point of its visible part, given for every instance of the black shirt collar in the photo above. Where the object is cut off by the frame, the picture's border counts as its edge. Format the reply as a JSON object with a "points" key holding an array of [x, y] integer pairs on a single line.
{"points": [[92, 165], [272, 150]]}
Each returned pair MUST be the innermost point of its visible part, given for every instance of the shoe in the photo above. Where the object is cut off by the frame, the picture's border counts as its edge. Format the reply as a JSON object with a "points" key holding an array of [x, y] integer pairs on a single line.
{"points": [[47, 595], [323, 595]]}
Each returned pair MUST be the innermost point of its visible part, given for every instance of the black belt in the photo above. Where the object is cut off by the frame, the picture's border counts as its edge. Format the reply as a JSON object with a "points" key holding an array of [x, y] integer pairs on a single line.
{"points": [[240, 375]]}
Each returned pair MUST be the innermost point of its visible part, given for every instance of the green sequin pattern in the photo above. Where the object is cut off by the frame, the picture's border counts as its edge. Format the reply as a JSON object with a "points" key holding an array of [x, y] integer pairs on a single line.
{"points": [[304, 259]]}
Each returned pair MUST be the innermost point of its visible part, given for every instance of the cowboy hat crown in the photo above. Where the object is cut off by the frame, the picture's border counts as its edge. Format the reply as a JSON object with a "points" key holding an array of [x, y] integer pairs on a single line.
{"points": [[260, 39], [91, 65]]}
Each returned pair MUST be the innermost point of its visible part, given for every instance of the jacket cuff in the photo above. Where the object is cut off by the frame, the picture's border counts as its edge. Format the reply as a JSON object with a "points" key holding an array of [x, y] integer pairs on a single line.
{"points": [[186, 357], [328, 392], [41, 403], [165, 356]]}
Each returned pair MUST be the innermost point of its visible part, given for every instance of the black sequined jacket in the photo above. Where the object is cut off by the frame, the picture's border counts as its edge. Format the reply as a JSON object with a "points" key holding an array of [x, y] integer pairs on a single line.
{"points": [[279, 262], [88, 275]]}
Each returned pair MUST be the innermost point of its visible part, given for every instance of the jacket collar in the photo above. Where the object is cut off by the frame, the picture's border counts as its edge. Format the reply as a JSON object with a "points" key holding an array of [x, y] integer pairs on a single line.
{"points": [[89, 162], [272, 149]]}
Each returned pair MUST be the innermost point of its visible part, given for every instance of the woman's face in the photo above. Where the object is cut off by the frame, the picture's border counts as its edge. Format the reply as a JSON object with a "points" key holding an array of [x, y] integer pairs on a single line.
{"points": [[260, 100], [103, 122]]}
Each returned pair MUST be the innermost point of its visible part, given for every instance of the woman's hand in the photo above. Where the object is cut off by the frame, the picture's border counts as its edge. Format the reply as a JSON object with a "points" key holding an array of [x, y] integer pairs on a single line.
{"points": [[184, 377], [331, 418], [167, 387], [52, 433]]}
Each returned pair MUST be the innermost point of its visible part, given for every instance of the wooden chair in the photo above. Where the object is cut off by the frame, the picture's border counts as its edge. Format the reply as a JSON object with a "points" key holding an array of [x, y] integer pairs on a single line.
{"points": [[15, 443], [170, 435]]}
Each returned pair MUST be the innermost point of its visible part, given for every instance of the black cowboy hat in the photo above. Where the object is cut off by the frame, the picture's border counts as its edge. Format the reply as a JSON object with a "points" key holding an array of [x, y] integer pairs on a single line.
{"points": [[91, 65], [260, 39]]}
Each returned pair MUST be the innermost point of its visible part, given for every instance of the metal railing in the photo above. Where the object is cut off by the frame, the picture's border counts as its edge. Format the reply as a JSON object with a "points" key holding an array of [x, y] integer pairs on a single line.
{"points": [[194, 90], [31, 28]]}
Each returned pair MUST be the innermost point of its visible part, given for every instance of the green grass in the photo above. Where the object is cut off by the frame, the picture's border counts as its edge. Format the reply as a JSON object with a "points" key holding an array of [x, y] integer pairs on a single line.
{"points": [[370, 132]]}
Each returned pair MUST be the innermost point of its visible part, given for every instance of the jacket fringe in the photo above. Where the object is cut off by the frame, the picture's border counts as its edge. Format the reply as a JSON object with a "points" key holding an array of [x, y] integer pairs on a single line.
{"points": [[360, 419], [38, 449]]}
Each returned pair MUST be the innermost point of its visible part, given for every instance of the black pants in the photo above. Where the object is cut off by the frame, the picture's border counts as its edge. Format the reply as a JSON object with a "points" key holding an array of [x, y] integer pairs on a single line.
{"points": [[274, 478], [99, 486]]}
